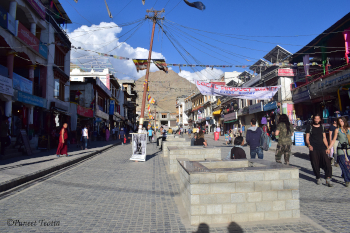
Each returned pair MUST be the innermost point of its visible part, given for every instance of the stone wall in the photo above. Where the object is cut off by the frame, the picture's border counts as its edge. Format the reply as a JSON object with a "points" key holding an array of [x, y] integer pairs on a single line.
{"points": [[172, 143], [191, 153], [240, 196]]}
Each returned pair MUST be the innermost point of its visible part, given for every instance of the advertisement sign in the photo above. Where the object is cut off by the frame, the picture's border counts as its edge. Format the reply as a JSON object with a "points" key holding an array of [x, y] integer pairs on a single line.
{"points": [[6, 86], [256, 108], [139, 145], [38, 7], [30, 99], [230, 116], [286, 72], [238, 92], [270, 106], [43, 49], [111, 107], [77, 79], [299, 138], [22, 84], [28, 37], [103, 87], [303, 96], [85, 112], [252, 81]]}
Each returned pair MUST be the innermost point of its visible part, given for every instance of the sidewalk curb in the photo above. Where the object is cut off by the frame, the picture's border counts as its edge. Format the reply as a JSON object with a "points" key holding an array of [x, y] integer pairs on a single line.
{"points": [[32, 176]]}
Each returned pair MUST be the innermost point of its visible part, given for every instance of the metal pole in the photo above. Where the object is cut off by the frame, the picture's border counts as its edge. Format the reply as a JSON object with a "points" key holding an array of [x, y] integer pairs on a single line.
{"points": [[145, 88]]}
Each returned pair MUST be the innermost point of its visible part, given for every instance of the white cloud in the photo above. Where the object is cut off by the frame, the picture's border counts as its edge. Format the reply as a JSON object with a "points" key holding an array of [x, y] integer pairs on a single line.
{"points": [[206, 74], [106, 41], [104, 38]]}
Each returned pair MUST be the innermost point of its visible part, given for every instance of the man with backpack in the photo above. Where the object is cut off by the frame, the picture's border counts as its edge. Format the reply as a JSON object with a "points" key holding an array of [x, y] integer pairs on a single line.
{"points": [[253, 139]]}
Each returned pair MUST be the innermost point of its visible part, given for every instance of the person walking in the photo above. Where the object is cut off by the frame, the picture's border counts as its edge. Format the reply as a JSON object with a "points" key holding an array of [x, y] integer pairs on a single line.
{"points": [[285, 131], [85, 135], [150, 134], [253, 140], [122, 134], [189, 132], [317, 142], [333, 154], [341, 135], [62, 144]]}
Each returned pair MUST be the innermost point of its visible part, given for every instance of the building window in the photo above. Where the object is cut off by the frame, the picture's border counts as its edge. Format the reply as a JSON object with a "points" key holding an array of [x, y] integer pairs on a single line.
{"points": [[164, 116], [57, 88]]}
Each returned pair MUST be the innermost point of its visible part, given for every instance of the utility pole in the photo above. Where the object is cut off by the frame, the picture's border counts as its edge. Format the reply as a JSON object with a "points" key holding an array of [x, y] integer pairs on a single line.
{"points": [[155, 120], [154, 18]]}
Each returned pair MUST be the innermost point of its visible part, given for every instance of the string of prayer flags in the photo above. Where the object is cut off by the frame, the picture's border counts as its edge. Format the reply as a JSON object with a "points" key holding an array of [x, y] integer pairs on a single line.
{"points": [[161, 64], [141, 64]]}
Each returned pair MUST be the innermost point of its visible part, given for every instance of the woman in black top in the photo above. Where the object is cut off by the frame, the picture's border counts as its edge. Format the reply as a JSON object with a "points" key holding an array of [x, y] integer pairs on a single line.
{"points": [[317, 142], [200, 139], [237, 151]]}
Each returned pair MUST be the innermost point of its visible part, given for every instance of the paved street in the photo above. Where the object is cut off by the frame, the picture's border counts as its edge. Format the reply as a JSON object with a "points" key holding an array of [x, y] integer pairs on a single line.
{"points": [[109, 193]]}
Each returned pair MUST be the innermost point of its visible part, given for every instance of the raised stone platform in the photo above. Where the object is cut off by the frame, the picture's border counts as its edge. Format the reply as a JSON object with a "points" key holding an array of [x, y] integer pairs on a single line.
{"points": [[238, 190], [191, 153], [177, 142]]}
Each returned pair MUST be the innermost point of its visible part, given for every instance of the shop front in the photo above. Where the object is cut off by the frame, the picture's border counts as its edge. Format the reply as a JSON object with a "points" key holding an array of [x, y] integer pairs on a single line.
{"points": [[255, 111], [101, 120], [230, 120]]}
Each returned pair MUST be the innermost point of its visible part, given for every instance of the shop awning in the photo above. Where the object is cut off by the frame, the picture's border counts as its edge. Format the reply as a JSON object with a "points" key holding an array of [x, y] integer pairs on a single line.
{"points": [[218, 112], [226, 122]]}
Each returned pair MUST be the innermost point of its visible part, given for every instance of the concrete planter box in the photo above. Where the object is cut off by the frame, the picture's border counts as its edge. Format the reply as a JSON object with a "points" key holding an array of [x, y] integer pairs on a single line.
{"points": [[238, 191], [174, 143], [191, 153]]}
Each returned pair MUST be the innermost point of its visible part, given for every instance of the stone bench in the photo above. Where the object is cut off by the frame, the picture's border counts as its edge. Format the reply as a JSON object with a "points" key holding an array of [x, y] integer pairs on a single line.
{"points": [[192, 153], [172, 143], [238, 191]]}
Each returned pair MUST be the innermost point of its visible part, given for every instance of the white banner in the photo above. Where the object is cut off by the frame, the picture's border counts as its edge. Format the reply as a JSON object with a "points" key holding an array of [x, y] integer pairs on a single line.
{"points": [[261, 93]]}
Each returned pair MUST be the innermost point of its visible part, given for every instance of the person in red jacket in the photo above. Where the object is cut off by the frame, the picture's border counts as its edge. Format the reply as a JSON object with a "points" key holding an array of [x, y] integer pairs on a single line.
{"points": [[62, 145]]}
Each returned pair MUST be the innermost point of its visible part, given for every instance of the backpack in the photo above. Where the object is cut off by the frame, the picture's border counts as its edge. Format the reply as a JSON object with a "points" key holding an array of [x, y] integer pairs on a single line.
{"points": [[265, 141]]}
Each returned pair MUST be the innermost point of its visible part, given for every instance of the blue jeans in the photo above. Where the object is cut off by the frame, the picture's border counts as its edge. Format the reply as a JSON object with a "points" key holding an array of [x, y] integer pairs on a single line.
{"points": [[85, 141], [257, 151]]}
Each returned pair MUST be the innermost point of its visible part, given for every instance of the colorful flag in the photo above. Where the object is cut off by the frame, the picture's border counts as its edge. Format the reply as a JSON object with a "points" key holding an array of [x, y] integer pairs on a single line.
{"points": [[77, 94], [141, 64], [161, 64]]}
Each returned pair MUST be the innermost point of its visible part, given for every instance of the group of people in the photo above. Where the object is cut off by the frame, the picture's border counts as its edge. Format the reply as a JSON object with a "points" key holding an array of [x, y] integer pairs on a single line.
{"points": [[198, 139]]}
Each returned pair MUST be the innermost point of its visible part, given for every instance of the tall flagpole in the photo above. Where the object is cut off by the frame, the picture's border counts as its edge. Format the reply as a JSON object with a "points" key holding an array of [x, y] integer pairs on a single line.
{"points": [[145, 88]]}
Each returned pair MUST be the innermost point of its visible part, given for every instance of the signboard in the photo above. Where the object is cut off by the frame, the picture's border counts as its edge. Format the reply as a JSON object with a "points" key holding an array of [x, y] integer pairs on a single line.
{"points": [[28, 37], [252, 81], [22, 84], [103, 87], [270, 106], [320, 99], [38, 7], [303, 96], [139, 145], [98, 119], [6, 86], [237, 92], [299, 138], [7, 21], [85, 112], [77, 79], [256, 108], [111, 107], [230, 116], [101, 114], [43, 49], [331, 83], [286, 72], [30, 99], [26, 142]]}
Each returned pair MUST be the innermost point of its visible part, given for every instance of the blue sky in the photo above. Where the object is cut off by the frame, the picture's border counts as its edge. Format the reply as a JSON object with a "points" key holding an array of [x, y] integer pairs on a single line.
{"points": [[248, 22]]}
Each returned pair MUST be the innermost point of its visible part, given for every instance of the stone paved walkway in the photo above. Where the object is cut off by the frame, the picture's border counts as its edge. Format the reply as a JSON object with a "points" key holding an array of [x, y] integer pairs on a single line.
{"points": [[109, 193]]}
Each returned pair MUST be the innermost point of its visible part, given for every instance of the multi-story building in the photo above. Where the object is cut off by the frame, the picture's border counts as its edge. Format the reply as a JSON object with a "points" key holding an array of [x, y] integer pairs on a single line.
{"points": [[181, 117], [34, 67], [129, 103]]}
